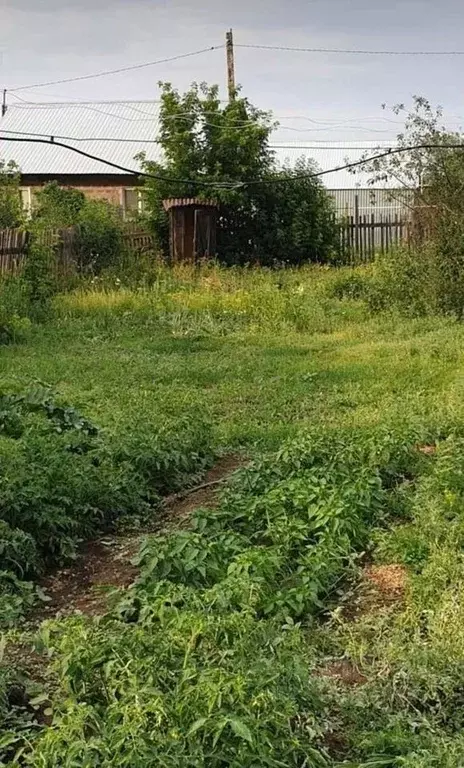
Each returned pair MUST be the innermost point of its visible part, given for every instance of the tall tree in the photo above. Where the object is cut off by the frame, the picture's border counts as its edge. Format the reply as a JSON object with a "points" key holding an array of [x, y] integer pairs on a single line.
{"points": [[265, 213]]}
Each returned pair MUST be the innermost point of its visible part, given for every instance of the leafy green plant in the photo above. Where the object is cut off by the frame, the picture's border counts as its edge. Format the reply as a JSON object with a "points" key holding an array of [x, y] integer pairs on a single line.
{"points": [[100, 236]]}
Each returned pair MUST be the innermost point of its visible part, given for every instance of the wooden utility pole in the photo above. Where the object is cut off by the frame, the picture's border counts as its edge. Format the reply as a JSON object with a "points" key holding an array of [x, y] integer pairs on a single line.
{"points": [[230, 64], [4, 107]]}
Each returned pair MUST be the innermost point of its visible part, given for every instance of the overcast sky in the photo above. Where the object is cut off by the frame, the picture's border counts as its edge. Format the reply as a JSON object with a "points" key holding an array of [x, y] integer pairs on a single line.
{"points": [[51, 39]]}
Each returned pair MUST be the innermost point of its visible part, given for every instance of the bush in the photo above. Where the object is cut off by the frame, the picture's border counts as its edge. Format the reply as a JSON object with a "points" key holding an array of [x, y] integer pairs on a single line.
{"points": [[39, 277], [100, 235], [100, 242], [11, 214], [350, 286], [406, 279]]}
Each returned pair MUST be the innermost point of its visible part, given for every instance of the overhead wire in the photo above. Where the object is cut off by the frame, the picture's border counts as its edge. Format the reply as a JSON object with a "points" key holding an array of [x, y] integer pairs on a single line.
{"points": [[356, 51], [140, 141], [117, 71], [130, 104], [235, 184]]}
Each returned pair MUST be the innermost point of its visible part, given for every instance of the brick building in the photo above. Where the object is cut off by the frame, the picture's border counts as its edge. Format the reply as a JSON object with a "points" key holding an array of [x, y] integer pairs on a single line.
{"points": [[116, 131]]}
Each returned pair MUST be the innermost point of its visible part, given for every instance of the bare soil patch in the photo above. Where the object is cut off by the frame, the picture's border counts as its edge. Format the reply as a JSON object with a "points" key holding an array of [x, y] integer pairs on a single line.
{"points": [[343, 671], [106, 563], [381, 587], [388, 581]]}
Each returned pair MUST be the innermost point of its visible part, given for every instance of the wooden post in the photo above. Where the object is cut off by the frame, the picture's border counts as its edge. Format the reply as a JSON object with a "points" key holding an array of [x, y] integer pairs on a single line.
{"points": [[372, 247], [4, 106], [230, 64], [356, 222]]}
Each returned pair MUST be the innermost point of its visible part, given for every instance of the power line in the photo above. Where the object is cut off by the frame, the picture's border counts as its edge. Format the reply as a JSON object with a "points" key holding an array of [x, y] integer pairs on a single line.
{"points": [[320, 145], [131, 104], [130, 171], [116, 71], [349, 51], [124, 140], [236, 184]]}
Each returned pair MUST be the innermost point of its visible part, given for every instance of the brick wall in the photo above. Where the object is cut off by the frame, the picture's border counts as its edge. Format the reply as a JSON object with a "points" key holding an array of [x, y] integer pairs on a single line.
{"points": [[114, 195], [109, 187]]}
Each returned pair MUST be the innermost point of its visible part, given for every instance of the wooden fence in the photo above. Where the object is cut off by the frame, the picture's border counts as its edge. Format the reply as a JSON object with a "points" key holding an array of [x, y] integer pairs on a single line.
{"points": [[13, 247], [14, 244], [361, 237]]}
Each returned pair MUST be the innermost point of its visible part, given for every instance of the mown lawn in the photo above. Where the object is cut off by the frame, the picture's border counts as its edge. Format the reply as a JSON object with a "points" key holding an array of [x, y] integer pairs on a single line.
{"points": [[226, 651]]}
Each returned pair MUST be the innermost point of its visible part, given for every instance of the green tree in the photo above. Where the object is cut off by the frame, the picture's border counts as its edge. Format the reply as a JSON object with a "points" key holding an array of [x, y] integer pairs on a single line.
{"points": [[281, 214], [429, 180], [11, 214]]}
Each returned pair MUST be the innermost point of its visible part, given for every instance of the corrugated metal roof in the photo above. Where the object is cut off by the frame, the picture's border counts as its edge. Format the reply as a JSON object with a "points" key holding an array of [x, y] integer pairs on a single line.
{"points": [[138, 121], [333, 154], [120, 130]]}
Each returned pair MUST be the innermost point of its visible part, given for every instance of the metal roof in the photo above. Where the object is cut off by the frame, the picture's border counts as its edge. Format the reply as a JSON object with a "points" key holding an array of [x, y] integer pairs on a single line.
{"points": [[137, 123], [186, 202], [333, 154], [118, 131]]}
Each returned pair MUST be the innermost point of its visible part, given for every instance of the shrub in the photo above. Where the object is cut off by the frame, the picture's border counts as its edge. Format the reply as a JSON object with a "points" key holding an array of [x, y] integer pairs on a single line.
{"points": [[100, 242], [100, 235], [350, 286], [406, 279], [39, 279], [11, 214]]}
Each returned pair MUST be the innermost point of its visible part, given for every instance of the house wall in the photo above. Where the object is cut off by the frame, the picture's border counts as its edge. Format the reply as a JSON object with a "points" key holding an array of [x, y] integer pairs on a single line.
{"points": [[113, 195]]}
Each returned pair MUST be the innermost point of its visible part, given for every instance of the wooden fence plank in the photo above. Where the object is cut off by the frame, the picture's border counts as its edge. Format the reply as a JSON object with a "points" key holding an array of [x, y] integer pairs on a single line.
{"points": [[363, 236], [65, 243]]}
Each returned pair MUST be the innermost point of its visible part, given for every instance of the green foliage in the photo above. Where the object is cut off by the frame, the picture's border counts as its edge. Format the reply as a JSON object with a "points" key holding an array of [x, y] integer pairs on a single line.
{"points": [[11, 214], [57, 207], [100, 227], [285, 215], [100, 235], [61, 480], [353, 285], [18, 551], [427, 277], [188, 688], [223, 652], [202, 659], [39, 280]]}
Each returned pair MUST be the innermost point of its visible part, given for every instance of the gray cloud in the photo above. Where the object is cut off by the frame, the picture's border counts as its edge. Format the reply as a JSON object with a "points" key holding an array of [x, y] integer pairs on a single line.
{"points": [[50, 39]]}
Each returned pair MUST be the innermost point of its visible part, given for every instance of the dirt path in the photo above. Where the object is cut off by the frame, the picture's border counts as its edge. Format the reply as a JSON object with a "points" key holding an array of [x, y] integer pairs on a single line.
{"points": [[105, 563]]}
